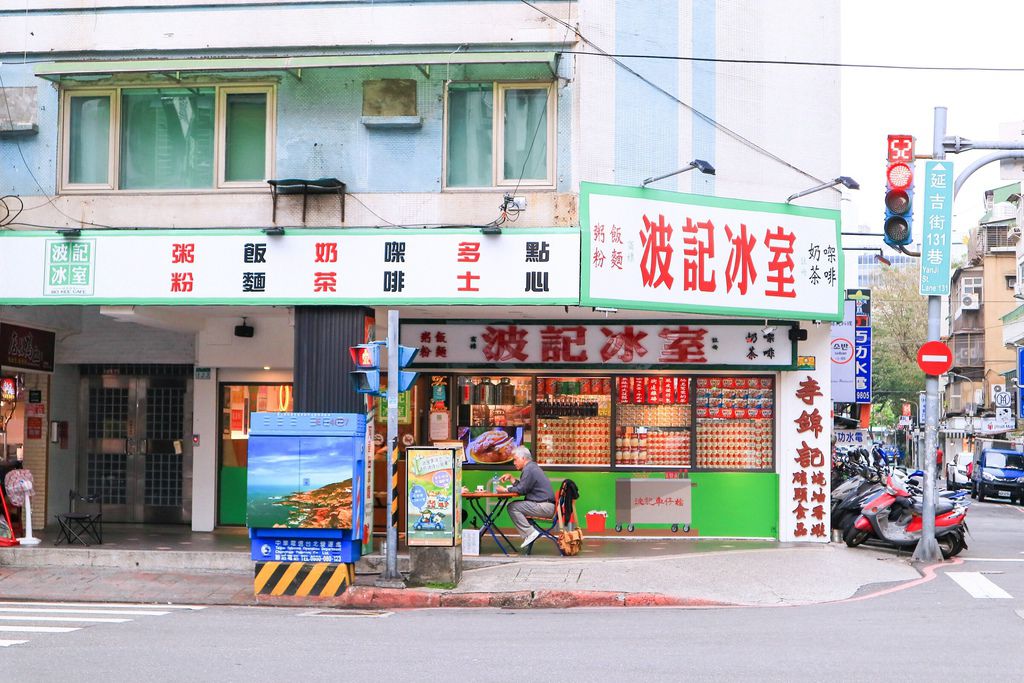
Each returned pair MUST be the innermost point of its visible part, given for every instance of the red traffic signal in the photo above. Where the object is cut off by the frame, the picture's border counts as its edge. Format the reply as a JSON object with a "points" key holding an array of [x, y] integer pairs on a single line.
{"points": [[899, 176], [365, 355]]}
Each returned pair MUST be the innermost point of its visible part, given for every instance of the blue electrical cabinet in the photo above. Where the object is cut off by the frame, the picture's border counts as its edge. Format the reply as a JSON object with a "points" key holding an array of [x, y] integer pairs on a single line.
{"points": [[306, 486]]}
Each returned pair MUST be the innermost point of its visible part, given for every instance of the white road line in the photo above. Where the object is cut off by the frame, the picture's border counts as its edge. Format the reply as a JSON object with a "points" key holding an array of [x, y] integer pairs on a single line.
{"points": [[96, 620], [993, 559], [112, 612], [978, 586], [132, 605], [39, 629], [8, 643]]}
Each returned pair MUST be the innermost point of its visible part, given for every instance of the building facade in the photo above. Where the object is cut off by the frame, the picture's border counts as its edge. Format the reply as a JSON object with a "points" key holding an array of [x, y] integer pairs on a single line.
{"points": [[471, 122]]}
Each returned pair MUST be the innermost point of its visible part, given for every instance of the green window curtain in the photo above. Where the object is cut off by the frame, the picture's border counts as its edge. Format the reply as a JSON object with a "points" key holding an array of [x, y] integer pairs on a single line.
{"points": [[89, 139], [470, 135], [245, 138], [526, 134], [167, 139]]}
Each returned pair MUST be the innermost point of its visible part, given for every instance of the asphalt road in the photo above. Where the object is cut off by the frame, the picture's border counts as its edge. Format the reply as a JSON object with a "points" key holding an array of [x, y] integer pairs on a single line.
{"points": [[934, 630]]}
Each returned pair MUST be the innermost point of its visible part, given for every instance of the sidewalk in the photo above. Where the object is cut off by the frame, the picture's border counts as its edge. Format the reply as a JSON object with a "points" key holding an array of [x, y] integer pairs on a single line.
{"points": [[745, 575]]}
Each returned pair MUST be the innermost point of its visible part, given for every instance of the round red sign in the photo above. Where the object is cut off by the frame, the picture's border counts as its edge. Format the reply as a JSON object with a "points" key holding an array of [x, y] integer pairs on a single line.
{"points": [[934, 358]]}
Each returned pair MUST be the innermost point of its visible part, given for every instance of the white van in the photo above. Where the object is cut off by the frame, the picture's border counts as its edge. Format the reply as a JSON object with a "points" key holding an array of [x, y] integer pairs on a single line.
{"points": [[956, 471]]}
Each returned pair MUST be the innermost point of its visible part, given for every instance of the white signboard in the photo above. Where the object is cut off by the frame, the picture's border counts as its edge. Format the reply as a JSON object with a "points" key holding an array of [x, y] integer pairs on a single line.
{"points": [[657, 250], [852, 437], [371, 267], [676, 343], [843, 353]]}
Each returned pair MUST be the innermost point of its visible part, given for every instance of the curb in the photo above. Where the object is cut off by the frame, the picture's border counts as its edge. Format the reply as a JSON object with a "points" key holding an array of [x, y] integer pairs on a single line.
{"points": [[367, 597]]}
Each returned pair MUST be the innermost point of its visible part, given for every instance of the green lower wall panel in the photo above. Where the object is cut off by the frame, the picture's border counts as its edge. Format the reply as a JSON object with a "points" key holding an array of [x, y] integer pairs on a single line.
{"points": [[232, 495], [738, 504]]}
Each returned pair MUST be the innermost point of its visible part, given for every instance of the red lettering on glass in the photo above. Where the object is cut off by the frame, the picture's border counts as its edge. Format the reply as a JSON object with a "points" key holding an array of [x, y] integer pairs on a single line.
{"points": [[622, 344], [683, 345], [505, 343]]}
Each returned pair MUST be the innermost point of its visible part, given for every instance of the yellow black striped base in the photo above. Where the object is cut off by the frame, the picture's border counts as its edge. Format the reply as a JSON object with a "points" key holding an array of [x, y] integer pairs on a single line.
{"points": [[302, 578]]}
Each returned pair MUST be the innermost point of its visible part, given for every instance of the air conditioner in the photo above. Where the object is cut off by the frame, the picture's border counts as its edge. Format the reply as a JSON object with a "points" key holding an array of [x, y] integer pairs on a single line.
{"points": [[970, 302]]}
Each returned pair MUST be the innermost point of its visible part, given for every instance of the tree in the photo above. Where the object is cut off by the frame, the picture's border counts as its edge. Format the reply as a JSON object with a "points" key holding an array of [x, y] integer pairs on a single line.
{"points": [[899, 325]]}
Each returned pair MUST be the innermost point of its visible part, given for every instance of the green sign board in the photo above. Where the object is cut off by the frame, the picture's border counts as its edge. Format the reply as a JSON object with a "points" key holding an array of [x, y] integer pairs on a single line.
{"points": [[433, 496]]}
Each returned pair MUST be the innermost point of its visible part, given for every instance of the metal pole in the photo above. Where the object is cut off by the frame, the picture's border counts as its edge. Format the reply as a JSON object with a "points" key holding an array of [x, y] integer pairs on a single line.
{"points": [[391, 573], [928, 548]]}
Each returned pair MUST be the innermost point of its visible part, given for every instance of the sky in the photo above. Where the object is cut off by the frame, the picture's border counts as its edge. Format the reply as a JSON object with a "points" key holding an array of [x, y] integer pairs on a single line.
{"points": [[878, 102]]}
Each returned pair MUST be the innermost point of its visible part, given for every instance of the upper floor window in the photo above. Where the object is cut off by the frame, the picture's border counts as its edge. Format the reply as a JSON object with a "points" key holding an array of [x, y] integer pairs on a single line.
{"points": [[167, 138], [499, 134]]}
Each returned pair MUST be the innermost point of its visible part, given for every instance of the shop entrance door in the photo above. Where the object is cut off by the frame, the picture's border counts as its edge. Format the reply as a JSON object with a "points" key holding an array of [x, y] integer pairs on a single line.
{"points": [[135, 452]]}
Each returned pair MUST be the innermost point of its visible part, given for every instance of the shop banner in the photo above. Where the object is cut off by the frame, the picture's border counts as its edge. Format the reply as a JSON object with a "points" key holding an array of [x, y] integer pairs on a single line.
{"points": [[330, 267], [433, 500], [851, 350], [657, 250], [24, 347], [572, 344]]}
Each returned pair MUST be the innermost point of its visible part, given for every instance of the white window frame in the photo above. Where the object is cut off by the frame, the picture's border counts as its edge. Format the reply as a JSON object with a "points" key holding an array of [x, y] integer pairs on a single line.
{"points": [[222, 135], [498, 138], [114, 154], [112, 142]]}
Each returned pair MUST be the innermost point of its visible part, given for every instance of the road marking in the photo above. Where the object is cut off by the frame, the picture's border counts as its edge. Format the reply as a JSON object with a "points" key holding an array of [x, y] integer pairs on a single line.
{"points": [[39, 629], [97, 620], [99, 604], [111, 612], [978, 586], [8, 643], [993, 559]]}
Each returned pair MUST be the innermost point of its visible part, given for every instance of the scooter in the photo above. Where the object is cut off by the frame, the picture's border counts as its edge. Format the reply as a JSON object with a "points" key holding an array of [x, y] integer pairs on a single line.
{"points": [[849, 497], [893, 516]]}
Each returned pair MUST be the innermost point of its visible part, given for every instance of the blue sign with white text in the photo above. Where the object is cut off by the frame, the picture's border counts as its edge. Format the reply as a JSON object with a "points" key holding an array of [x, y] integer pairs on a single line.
{"points": [[862, 357], [1020, 389], [936, 232]]}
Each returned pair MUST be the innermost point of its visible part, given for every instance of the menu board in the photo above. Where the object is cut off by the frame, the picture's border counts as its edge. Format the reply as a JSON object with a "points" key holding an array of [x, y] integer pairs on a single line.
{"points": [[433, 504]]}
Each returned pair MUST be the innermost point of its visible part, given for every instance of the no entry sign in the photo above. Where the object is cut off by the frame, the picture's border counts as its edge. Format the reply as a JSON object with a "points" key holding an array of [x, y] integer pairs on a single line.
{"points": [[934, 358]]}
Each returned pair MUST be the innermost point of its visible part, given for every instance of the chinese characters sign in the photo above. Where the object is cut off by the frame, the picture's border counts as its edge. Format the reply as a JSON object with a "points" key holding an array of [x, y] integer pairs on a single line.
{"points": [[937, 228], [677, 343], [850, 350], [649, 249], [371, 267], [806, 476]]}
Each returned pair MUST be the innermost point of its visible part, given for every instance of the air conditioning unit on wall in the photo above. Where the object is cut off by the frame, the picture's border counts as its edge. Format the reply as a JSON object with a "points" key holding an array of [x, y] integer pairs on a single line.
{"points": [[970, 301]]}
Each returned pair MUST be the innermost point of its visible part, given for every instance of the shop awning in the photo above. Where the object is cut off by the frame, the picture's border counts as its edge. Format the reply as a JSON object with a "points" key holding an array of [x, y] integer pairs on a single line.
{"points": [[55, 71]]}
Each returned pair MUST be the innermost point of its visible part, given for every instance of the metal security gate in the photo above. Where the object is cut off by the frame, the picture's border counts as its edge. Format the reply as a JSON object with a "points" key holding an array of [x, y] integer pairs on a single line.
{"points": [[136, 453]]}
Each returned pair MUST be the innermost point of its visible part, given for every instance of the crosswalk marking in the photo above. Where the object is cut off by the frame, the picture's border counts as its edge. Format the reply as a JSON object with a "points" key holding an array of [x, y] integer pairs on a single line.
{"points": [[96, 620], [17, 616], [110, 612], [978, 586], [132, 605]]}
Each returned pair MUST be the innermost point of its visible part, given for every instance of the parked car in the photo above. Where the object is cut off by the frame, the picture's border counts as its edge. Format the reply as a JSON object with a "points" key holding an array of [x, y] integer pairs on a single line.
{"points": [[998, 473], [956, 471]]}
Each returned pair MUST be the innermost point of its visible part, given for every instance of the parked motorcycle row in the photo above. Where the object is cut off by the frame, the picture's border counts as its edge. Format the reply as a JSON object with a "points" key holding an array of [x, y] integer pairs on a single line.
{"points": [[877, 502]]}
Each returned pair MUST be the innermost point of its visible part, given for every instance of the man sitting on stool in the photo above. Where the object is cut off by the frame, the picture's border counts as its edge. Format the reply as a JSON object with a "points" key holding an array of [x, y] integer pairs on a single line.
{"points": [[535, 487]]}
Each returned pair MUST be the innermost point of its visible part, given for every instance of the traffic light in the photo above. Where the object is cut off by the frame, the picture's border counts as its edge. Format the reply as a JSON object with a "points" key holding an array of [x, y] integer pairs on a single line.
{"points": [[366, 358], [899, 191], [406, 355]]}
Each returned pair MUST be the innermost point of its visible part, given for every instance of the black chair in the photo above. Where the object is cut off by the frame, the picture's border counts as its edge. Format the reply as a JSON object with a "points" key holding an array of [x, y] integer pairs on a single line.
{"points": [[78, 526]]}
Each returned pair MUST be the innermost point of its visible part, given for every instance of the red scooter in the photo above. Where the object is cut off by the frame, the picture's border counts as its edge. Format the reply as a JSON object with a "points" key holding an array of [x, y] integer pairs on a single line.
{"points": [[894, 517]]}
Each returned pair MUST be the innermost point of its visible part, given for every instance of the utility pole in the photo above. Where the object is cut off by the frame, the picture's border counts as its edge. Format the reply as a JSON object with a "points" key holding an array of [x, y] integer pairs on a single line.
{"points": [[392, 577]]}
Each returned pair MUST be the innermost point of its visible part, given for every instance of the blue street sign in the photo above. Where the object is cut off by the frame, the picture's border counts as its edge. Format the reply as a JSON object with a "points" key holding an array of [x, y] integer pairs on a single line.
{"points": [[862, 369], [937, 227], [1020, 389]]}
